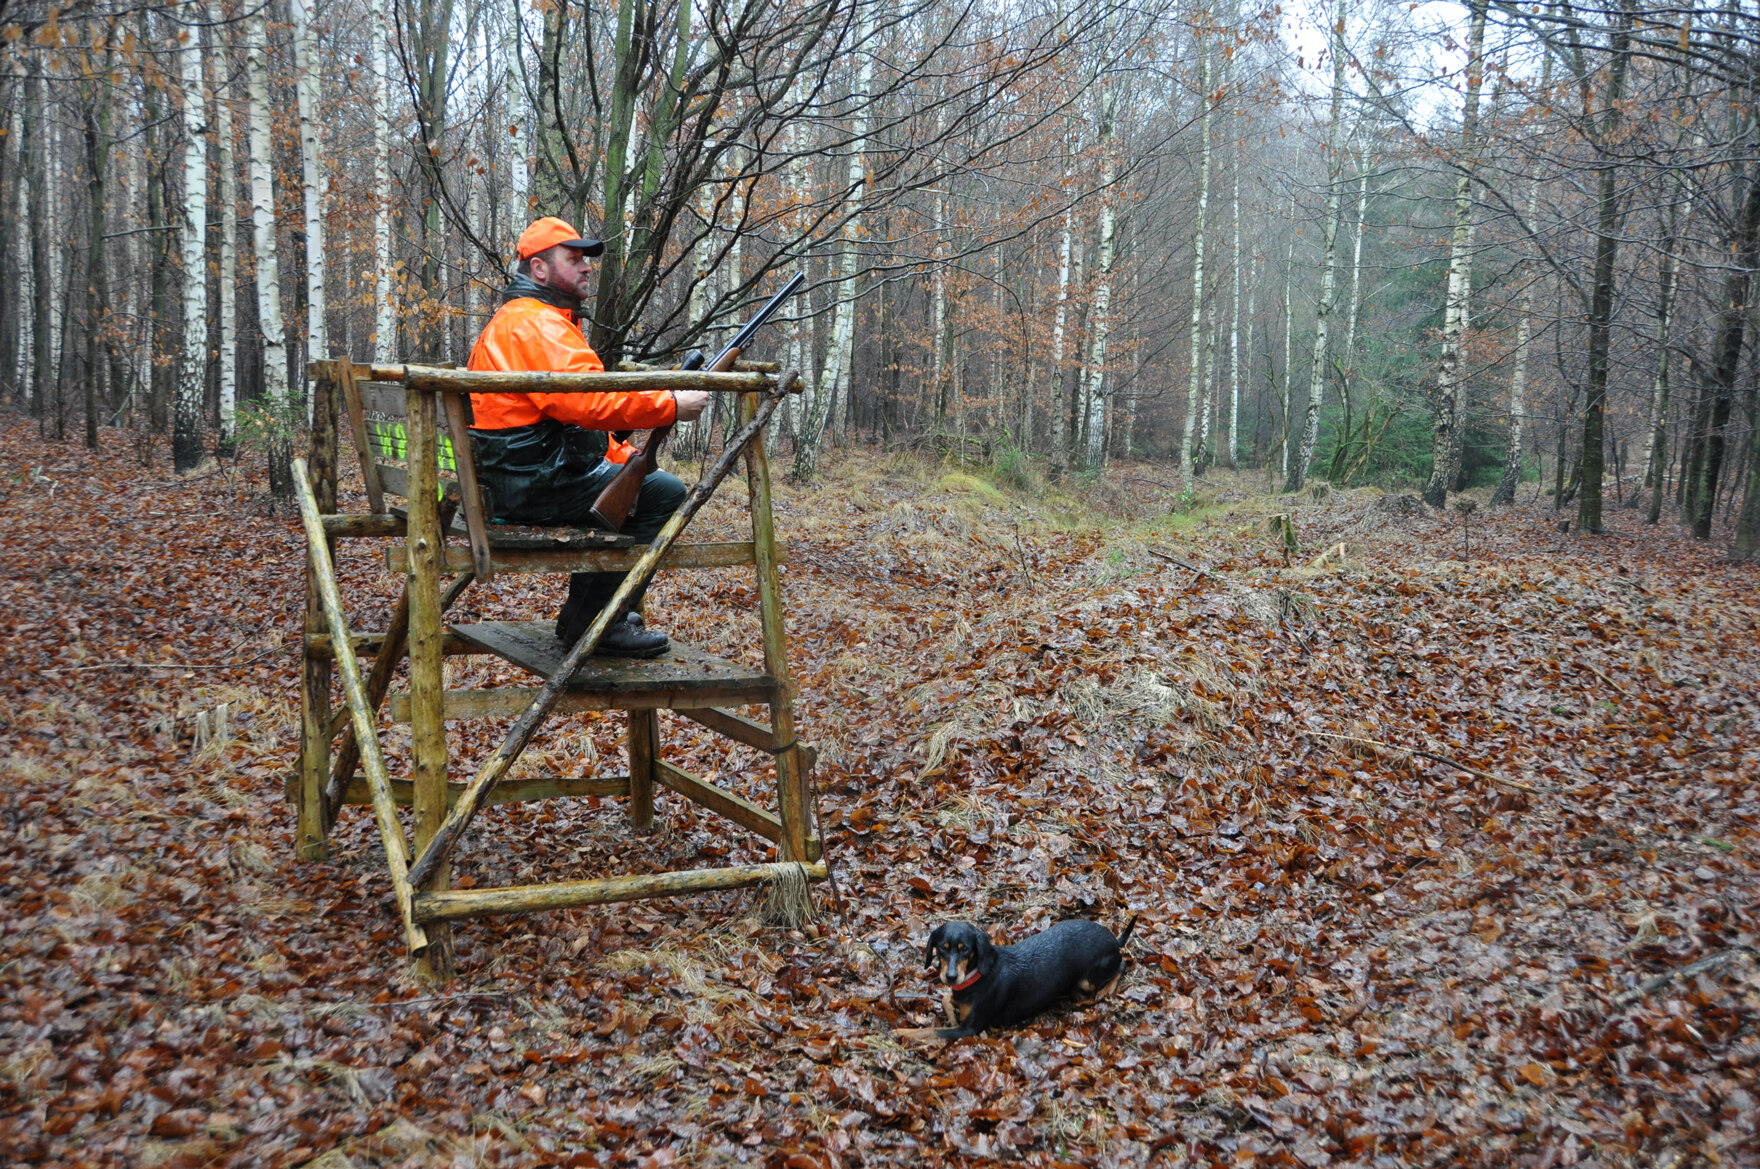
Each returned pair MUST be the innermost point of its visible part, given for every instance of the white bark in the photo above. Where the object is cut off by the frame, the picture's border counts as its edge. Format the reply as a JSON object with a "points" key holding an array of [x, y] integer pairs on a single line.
{"points": [[1518, 405], [1289, 325], [1187, 456], [833, 386], [1095, 405], [263, 212], [19, 207], [1127, 439], [1059, 435], [1234, 328], [687, 434], [519, 122], [384, 322], [800, 339], [1518, 379], [1298, 473], [1252, 310], [1205, 413], [305, 88], [1350, 328], [735, 269], [1451, 398], [938, 322], [192, 381], [228, 245]]}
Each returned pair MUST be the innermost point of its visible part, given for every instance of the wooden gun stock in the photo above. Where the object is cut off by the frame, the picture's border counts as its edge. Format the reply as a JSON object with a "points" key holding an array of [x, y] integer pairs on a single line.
{"points": [[611, 510]]}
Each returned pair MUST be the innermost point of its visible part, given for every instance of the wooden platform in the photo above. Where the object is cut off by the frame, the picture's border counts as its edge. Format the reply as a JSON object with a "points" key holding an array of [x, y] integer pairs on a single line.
{"points": [[681, 671], [528, 537]]}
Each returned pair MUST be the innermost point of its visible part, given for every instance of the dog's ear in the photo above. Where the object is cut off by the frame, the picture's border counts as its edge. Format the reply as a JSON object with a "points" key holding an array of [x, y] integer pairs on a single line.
{"points": [[934, 944], [983, 950]]}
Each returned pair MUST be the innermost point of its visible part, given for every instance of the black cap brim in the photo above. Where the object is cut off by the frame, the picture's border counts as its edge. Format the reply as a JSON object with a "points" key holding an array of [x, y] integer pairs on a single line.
{"points": [[593, 247]]}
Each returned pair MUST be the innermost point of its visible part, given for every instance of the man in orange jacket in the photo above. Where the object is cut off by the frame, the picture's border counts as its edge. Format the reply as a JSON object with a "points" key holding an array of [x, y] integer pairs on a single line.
{"points": [[545, 457]]}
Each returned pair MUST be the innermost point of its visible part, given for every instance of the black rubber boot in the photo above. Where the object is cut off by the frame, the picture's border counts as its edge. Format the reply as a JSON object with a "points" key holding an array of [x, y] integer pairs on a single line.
{"points": [[626, 638]]}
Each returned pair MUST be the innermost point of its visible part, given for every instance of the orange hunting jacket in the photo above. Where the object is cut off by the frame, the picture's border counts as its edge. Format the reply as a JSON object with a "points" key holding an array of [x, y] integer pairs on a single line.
{"points": [[529, 335]]}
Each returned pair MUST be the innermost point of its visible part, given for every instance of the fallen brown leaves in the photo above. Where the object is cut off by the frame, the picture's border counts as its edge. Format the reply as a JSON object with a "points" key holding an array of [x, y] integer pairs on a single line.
{"points": [[1349, 952]]}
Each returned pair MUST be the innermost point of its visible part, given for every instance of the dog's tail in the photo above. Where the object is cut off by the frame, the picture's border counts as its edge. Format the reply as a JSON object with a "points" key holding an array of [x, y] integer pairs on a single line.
{"points": [[1128, 927]]}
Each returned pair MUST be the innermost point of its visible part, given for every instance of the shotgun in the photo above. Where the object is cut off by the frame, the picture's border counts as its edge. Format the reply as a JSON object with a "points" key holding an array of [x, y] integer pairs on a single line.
{"points": [[611, 509]]}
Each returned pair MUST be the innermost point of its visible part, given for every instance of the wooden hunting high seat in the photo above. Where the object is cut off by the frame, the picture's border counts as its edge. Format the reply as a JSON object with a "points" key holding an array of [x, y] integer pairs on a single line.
{"points": [[410, 426]]}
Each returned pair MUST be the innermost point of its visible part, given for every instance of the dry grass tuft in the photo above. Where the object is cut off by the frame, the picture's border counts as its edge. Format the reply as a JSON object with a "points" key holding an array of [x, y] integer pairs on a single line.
{"points": [[103, 890]]}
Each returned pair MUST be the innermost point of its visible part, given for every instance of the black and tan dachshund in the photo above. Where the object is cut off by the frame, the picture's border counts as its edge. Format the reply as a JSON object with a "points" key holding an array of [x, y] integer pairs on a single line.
{"points": [[990, 986]]}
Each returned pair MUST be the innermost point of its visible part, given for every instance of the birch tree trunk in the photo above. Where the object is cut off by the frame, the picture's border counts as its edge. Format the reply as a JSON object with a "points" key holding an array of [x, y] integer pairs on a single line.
{"points": [[1518, 381], [95, 100], [42, 277], [1252, 309], [1194, 386], [835, 381], [11, 221], [1346, 364], [1298, 472], [939, 326], [1656, 439], [1095, 407], [1234, 328], [1129, 424], [268, 264], [687, 434], [1350, 325], [801, 341], [384, 320], [1059, 417], [159, 310], [1449, 428], [228, 242], [1518, 404], [519, 124], [1212, 341], [1284, 396], [192, 373], [305, 88]]}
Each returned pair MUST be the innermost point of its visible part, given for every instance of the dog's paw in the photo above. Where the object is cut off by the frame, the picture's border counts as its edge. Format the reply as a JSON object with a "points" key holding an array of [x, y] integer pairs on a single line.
{"points": [[917, 1035]]}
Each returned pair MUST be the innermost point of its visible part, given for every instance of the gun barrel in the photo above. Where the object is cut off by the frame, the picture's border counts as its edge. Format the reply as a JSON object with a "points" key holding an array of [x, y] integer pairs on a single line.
{"points": [[744, 337]]}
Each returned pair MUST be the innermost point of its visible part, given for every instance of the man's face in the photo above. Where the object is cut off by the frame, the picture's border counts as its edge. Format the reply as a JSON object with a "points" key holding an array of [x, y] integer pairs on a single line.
{"points": [[565, 269]]}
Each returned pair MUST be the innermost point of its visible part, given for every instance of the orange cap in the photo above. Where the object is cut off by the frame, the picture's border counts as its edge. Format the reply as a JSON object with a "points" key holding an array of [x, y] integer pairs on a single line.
{"points": [[550, 231]]}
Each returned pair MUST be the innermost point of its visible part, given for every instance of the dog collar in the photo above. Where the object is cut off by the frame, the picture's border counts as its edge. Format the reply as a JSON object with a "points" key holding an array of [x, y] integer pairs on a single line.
{"points": [[968, 980]]}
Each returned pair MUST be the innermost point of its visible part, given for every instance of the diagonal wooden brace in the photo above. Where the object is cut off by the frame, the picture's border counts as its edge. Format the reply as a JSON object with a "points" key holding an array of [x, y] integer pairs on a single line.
{"points": [[355, 694], [459, 819]]}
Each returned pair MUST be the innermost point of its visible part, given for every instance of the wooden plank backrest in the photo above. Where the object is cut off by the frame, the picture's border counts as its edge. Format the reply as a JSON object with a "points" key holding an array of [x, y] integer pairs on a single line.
{"points": [[385, 412]]}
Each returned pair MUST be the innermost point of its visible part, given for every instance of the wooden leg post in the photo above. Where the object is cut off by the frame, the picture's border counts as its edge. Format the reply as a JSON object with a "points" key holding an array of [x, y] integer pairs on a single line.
{"points": [[644, 757], [426, 685], [313, 821], [791, 779]]}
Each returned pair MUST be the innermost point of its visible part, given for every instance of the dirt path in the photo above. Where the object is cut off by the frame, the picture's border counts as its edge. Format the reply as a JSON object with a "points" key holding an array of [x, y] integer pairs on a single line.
{"points": [[1536, 951]]}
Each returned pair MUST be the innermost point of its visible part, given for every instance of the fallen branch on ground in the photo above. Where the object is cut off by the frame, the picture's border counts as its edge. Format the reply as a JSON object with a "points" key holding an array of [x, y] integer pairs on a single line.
{"points": [[1376, 744], [169, 665], [1202, 572], [1652, 985]]}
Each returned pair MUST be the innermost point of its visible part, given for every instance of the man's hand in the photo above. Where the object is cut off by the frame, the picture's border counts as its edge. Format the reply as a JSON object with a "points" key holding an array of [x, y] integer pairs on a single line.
{"points": [[691, 404]]}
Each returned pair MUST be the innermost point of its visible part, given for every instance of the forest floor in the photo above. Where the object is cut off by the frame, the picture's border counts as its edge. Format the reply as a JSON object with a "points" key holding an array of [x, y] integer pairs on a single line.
{"points": [[1533, 945]]}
